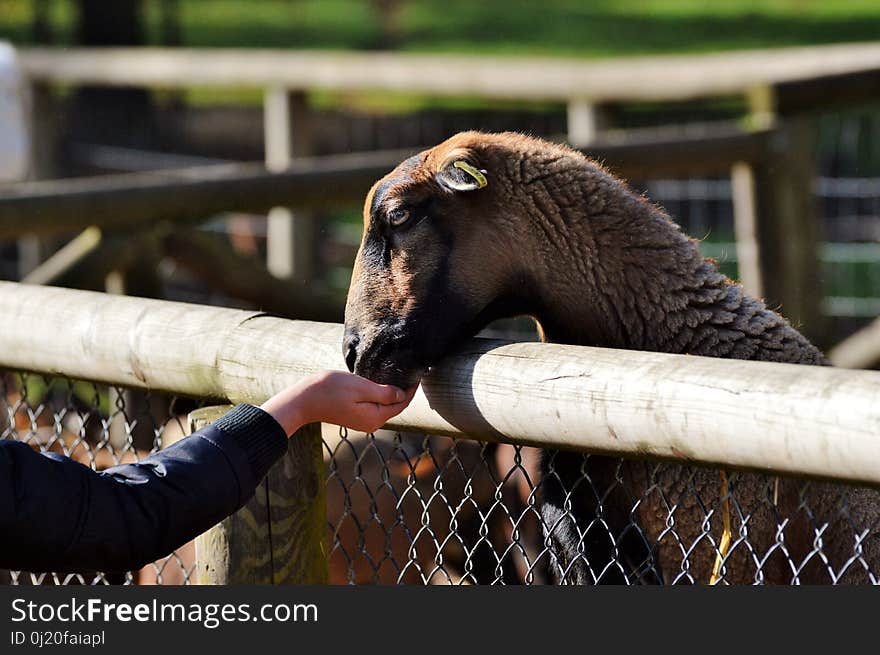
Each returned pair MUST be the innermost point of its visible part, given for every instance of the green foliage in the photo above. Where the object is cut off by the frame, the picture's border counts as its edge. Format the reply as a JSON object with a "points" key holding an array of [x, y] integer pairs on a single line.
{"points": [[551, 27], [37, 389]]}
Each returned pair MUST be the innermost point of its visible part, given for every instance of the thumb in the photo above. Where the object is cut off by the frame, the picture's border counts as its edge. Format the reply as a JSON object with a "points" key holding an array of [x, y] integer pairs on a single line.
{"points": [[386, 394]]}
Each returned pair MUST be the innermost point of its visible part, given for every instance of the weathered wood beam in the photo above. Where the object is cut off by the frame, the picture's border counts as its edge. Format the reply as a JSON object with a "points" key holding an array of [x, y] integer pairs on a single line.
{"points": [[585, 121], [787, 229], [142, 199], [745, 227], [655, 78], [827, 92], [278, 536], [859, 350], [86, 260], [700, 149], [212, 259], [66, 258], [813, 421], [290, 238]]}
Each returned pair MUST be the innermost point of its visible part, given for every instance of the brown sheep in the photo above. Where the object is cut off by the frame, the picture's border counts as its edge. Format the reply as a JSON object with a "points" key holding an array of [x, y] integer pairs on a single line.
{"points": [[485, 226]]}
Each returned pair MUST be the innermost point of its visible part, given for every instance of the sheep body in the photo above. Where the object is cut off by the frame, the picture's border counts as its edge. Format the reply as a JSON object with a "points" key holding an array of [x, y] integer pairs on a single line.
{"points": [[556, 236]]}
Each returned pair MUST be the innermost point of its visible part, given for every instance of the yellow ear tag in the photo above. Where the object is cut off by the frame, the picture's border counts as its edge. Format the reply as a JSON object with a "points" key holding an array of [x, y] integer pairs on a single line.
{"points": [[473, 172]]}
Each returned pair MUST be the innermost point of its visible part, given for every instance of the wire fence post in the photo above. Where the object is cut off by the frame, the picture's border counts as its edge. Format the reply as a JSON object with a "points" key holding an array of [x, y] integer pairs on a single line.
{"points": [[278, 536]]}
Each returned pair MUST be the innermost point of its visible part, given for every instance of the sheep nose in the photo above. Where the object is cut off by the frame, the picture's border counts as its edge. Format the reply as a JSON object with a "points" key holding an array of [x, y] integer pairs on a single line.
{"points": [[349, 349]]}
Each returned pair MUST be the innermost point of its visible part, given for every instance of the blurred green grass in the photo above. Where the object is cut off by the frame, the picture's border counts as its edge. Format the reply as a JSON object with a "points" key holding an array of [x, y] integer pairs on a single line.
{"points": [[582, 28], [552, 27]]}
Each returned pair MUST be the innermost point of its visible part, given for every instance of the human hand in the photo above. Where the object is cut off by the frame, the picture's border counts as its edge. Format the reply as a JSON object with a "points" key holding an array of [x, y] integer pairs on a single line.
{"points": [[339, 398]]}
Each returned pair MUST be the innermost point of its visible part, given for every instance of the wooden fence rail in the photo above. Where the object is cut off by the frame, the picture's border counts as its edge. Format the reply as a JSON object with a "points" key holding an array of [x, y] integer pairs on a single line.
{"points": [[143, 199], [675, 77], [139, 199], [811, 421]]}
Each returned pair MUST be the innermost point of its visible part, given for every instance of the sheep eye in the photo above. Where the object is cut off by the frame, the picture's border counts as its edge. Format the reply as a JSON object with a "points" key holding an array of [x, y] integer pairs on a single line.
{"points": [[398, 217]]}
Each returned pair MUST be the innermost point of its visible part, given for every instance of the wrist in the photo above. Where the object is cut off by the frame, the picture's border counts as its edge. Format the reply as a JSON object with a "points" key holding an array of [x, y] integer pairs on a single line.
{"points": [[289, 415]]}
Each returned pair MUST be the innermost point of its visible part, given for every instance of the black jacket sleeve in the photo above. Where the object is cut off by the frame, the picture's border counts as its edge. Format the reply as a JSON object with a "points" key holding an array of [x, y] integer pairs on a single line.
{"points": [[58, 515]]}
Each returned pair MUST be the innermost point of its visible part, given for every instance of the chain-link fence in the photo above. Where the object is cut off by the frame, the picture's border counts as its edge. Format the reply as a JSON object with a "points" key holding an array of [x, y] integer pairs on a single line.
{"points": [[415, 509]]}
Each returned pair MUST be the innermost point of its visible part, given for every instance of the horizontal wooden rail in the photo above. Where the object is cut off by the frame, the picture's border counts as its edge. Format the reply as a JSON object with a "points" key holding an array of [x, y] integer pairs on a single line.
{"points": [[812, 421], [138, 199], [671, 77], [116, 201]]}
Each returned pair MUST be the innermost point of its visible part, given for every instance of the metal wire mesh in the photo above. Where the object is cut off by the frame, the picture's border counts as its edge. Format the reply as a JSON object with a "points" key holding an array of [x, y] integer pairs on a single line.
{"points": [[415, 509]]}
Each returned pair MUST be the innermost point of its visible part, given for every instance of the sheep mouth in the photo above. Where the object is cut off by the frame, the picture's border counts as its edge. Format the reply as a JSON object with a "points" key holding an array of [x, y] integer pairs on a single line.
{"points": [[397, 377], [398, 367], [404, 354]]}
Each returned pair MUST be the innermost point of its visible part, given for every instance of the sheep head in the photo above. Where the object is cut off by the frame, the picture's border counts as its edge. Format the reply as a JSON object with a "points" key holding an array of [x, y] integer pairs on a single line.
{"points": [[438, 259], [485, 226]]}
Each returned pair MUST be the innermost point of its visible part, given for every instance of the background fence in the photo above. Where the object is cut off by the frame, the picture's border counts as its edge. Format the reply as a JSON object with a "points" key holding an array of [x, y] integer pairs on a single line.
{"points": [[409, 508], [599, 105]]}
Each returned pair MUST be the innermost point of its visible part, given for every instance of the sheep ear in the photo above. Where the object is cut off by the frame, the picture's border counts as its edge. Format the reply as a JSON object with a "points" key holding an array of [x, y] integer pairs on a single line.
{"points": [[462, 176]]}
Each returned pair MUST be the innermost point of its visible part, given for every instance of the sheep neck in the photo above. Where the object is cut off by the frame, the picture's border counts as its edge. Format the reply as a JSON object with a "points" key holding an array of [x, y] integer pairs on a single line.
{"points": [[621, 274]]}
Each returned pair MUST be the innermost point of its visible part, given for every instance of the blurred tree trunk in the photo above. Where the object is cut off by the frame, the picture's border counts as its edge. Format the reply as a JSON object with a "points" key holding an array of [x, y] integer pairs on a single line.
{"points": [[110, 116], [169, 23], [389, 21], [170, 36], [41, 25], [103, 23]]}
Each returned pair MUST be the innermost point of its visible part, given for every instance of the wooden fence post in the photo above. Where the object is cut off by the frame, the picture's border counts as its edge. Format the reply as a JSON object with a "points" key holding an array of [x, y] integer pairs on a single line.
{"points": [[290, 237], [585, 120], [43, 131], [787, 226], [742, 183], [278, 536], [761, 103]]}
